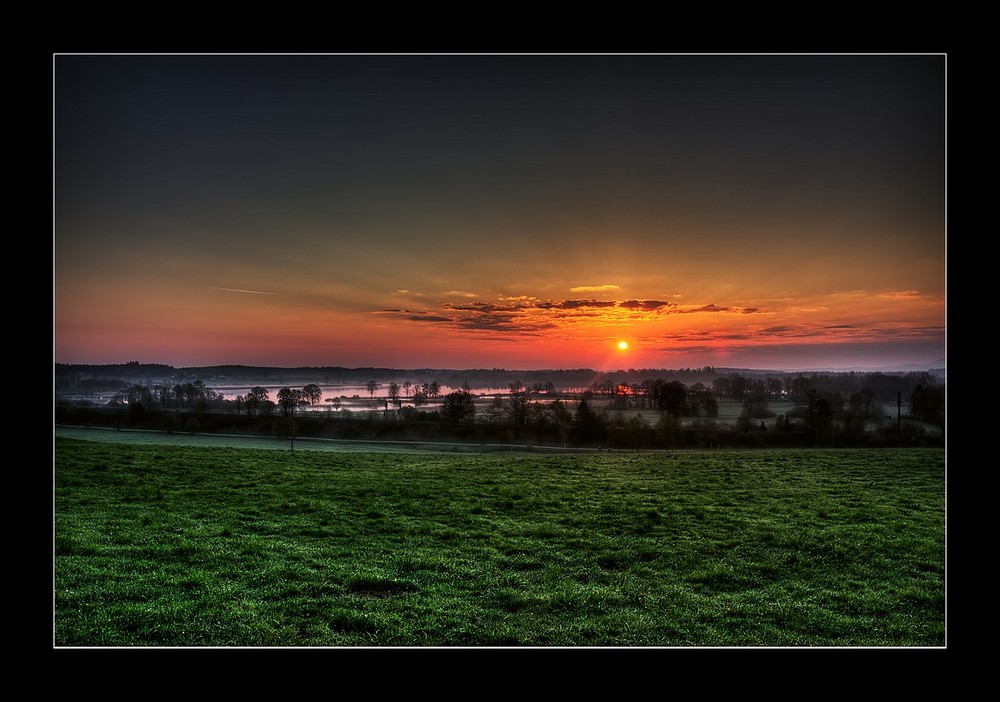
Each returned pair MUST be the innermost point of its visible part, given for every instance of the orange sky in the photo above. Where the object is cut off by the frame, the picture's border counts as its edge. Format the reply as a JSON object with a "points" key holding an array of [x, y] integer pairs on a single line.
{"points": [[518, 212]]}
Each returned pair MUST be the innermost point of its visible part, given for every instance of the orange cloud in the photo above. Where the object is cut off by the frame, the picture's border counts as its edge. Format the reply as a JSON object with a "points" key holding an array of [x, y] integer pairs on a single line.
{"points": [[593, 288]]}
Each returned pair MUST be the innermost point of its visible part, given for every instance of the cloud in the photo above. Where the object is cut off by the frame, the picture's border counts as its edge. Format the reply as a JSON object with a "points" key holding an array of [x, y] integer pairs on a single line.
{"points": [[644, 304], [901, 294], [593, 288], [717, 308], [481, 307], [575, 304], [805, 335], [427, 318], [506, 323], [526, 314]]}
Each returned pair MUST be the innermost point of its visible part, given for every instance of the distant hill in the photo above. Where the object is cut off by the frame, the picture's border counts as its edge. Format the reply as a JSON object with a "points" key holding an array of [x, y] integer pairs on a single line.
{"points": [[475, 377]]}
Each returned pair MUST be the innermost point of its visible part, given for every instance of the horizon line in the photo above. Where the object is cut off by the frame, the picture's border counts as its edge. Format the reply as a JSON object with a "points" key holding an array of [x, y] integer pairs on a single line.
{"points": [[939, 364]]}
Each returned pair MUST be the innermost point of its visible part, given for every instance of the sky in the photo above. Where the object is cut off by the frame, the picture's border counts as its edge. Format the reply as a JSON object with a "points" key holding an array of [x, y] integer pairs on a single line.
{"points": [[500, 211]]}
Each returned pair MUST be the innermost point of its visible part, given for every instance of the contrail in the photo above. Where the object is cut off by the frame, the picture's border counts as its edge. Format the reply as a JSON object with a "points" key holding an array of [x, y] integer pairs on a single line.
{"points": [[252, 292]]}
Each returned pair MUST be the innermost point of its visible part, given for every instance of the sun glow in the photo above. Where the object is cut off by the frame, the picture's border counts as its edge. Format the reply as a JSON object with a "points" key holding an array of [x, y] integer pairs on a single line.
{"points": [[622, 345]]}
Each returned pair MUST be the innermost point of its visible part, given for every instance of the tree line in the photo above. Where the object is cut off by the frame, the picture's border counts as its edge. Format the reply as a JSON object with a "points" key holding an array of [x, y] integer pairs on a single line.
{"points": [[602, 414]]}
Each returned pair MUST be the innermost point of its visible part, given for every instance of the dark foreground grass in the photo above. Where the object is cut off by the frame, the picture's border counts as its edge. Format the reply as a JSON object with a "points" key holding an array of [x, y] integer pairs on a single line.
{"points": [[186, 546]]}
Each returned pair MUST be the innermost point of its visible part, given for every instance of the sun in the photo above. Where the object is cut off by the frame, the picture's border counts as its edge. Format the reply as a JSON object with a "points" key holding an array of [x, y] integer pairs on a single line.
{"points": [[622, 345]]}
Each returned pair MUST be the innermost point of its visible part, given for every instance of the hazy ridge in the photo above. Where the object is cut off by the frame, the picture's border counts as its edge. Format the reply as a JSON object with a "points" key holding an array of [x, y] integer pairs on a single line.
{"points": [[493, 377]]}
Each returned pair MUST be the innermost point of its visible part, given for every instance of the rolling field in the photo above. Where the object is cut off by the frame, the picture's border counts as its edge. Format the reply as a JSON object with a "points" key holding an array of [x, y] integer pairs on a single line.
{"points": [[221, 546]]}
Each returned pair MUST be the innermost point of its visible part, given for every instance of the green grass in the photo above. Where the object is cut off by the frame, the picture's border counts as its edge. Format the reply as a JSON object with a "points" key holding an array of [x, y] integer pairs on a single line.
{"points": [[212, 546]]}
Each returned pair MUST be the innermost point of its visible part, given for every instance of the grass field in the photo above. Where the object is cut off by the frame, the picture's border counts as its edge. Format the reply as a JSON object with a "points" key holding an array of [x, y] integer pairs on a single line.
{"points": [[219, 546]]}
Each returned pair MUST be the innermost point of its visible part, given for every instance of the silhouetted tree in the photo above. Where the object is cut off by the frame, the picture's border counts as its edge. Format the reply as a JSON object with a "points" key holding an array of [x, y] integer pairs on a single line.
{"points": [[288, 400], [559, 413], [819, 415], [588, 426], [927, 404], [755, 399], [458, 407], [517, 404], [312, 393], [255, 399], [494, 413], [670, 397], [585, 417]]}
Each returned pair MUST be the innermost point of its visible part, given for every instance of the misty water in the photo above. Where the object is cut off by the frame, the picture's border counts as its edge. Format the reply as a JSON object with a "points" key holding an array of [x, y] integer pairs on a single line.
{"points": [[340, 396]]}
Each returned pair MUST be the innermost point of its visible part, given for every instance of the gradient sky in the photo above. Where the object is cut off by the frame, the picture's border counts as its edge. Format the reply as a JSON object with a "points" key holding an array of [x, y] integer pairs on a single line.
{"points": [[520, 212]]}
